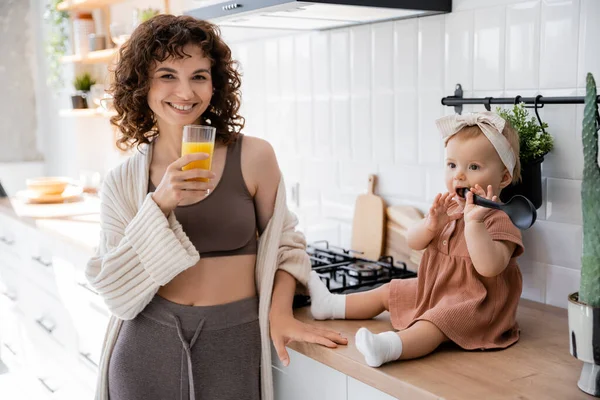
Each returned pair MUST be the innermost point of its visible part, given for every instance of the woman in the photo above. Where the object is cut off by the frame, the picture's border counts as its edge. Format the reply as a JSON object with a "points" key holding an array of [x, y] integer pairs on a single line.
{"points": [[194, 291]]}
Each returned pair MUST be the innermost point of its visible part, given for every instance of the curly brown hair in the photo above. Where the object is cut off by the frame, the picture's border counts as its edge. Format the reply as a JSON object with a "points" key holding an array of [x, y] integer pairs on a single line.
{"points": [[154, 41]]}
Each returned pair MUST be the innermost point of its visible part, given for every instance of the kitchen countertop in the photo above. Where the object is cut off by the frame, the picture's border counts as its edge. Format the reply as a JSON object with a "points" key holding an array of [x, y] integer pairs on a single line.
{"points": [[79, 230], [539, 366]]}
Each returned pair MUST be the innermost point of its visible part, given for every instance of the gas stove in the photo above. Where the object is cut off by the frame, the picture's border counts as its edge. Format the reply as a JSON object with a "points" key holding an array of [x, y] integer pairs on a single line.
{"points": [[346, 271]]}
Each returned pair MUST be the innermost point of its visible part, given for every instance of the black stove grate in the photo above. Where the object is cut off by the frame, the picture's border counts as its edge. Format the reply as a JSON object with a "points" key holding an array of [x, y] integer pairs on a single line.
{"points": [[345, 271]]}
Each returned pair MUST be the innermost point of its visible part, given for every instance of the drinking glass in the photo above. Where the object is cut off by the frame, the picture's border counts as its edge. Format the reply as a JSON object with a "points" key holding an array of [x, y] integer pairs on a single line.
{"points": [[198, 139]]}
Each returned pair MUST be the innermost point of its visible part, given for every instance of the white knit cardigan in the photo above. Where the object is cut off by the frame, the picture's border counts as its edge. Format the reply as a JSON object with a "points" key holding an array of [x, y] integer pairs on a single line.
{"points": [[141, 250]]}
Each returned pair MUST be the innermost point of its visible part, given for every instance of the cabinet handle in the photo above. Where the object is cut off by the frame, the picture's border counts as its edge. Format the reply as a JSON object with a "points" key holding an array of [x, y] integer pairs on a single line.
{"points": [[87, 287], [14, 353], [88, 358], [6, 241], [44, 326], [11, 297], [231, 6], [39, 260], [48, 387]]}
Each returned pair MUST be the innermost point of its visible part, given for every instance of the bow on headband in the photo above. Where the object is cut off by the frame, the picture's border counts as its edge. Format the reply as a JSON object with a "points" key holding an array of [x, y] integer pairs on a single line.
{"points": [[491, 125]]}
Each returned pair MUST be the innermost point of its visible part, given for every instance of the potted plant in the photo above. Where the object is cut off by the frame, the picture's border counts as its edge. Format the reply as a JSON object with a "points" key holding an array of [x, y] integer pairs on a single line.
{"points": [[535, 143], [82, 84], [147, 13], [584, 306]]}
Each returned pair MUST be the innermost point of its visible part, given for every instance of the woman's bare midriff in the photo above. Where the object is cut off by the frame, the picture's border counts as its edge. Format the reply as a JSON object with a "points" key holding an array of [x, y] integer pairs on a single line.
{"points": [[212, 281]]}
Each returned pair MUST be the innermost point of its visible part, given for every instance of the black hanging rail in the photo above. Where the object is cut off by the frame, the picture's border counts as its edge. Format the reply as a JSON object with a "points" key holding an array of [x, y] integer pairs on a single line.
{"points": [[538, 101]]}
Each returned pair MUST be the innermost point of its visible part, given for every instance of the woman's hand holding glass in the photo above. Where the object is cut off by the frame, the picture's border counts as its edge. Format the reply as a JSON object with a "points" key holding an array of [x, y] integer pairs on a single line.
{"points": [[177, 186]]}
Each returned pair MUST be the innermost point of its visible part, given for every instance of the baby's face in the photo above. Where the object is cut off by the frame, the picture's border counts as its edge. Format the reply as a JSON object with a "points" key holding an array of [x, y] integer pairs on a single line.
{"points": [[471, 161]]}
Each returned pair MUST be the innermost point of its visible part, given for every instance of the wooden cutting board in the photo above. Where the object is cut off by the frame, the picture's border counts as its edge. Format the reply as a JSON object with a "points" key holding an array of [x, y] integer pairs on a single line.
{"points": [[368, 225], [399, 220]]}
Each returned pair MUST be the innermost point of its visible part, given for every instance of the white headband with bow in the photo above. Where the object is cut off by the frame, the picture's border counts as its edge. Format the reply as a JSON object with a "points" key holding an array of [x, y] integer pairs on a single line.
{"points": [[491, 125]]}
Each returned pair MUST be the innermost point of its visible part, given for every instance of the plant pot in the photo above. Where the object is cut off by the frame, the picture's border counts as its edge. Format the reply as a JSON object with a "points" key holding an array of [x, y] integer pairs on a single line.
{"points": [[79, 101], [530, 185], [584, 337]]}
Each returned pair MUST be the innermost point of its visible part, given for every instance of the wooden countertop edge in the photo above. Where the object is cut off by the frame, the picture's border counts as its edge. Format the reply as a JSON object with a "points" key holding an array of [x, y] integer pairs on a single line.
{"points": [[374, 377], [347, 359], [444, 374]]}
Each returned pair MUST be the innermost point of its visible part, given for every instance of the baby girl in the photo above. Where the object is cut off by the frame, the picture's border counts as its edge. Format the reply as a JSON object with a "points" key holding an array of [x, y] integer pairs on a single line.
{"points": [[469, 284]]}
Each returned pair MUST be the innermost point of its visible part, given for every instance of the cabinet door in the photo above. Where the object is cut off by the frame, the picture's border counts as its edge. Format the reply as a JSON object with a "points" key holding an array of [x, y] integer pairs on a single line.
{"points": [[306, 379], [11, 241], [360, 391], [10, 327], [39, 261]]}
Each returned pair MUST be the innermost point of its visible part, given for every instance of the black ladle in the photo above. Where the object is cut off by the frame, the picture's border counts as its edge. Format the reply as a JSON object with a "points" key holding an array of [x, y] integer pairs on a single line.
{"points": [[519, 209]]}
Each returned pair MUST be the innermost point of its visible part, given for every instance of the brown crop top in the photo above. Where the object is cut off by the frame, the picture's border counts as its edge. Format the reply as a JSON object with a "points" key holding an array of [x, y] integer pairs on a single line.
{"points": [[224, 223]]}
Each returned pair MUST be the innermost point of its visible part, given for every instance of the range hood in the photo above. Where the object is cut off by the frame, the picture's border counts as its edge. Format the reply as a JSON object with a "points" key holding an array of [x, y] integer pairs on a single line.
{"points": [[314, 15]]}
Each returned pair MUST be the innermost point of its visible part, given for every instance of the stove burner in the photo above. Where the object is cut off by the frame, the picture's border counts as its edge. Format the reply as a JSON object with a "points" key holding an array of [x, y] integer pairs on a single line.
{"points": [[362, 270], [346, 271]]}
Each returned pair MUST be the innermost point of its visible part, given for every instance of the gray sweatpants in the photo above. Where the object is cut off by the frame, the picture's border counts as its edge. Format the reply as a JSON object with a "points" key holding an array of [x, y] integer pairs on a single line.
{"points": [[176, 352]]}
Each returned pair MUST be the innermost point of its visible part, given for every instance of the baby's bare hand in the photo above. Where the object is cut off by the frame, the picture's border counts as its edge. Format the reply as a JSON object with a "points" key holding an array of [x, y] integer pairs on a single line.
{"points": [[438, 216], [475, 213]]}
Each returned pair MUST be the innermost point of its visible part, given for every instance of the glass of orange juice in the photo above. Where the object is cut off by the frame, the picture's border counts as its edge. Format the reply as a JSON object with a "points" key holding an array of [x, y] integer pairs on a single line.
{"points": [[198, 139]]}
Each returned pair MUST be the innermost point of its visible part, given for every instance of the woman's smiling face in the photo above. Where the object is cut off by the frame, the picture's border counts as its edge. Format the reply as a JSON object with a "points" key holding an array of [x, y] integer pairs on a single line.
{"points": [[181, 89]]}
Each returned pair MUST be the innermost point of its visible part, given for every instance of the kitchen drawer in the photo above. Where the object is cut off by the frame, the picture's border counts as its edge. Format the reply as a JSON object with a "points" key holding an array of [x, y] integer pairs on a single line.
{"points": [[10, 242], [10, 323], [51, 366], [90, 342], [39, 263], [13, 234], [10, 286], [46, 315]]}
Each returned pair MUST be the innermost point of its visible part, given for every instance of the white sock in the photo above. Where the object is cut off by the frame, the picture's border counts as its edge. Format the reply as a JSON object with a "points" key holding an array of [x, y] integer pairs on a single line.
{"points": [[378, 349], [325, 305]]}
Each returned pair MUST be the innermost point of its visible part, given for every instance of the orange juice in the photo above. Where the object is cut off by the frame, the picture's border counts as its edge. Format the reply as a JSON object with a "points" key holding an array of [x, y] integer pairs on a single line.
{"points": [[198, 147]]}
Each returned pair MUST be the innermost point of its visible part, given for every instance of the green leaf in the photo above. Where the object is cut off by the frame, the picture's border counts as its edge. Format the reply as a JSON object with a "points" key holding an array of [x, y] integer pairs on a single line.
{"points": [[534, 143]]}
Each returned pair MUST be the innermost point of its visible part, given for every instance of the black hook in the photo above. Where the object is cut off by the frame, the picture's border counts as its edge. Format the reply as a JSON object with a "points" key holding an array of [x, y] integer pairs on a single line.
{"points": [[487, 103], [517, 99], [535, 107], [458, 94]]}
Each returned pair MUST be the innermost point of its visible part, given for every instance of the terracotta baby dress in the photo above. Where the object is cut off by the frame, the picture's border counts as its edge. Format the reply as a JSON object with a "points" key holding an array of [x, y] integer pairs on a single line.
{"points": [[473, 311]]}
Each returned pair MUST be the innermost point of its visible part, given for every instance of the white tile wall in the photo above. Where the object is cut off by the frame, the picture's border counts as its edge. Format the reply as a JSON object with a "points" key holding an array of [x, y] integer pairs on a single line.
{"points": [[489, 48], [345, 103], [523, 45]]}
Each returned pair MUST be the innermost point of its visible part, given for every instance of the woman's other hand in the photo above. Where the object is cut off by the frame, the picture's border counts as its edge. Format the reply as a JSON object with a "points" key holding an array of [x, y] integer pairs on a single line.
{"points": [[438, 216], [178, 187], [286, 329]]}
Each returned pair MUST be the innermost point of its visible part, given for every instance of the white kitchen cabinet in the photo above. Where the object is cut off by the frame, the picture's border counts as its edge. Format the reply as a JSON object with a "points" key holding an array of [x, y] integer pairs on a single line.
{"points": [[361, 391], [306, 379], [10, 324], [51, 325]]}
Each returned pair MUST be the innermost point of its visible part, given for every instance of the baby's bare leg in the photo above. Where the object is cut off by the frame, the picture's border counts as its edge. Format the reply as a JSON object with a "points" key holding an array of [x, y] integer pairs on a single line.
{"points": [[363, 305], [419, 340], [366, 305]]}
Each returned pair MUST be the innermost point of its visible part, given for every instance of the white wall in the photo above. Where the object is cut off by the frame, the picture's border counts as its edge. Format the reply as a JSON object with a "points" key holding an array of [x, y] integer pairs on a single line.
{"points": [[17, 104], [338, 105]]}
